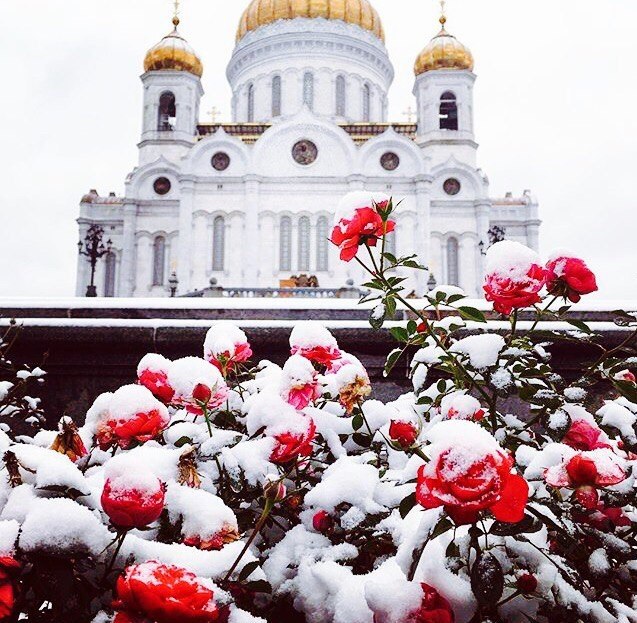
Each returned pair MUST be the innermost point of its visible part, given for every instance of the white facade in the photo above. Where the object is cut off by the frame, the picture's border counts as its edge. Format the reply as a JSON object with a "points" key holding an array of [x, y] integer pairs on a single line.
{"points": [[249, 203]]}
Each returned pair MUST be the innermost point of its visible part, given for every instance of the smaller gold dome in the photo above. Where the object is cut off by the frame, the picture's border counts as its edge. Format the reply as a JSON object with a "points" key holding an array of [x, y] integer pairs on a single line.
{"points": [[444, 51], [173, 53], [358, 12]]}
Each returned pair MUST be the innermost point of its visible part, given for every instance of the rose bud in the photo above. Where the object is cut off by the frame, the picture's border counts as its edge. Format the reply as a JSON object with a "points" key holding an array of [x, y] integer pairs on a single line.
{"points": [[588, 497], [526, 584], [133, 499], [274, 490], [202, 393], [323, 522], [403, 434]]}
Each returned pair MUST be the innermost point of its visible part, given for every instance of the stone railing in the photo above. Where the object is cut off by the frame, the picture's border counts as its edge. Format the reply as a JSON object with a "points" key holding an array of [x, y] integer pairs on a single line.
{"points": [[279, 293]]}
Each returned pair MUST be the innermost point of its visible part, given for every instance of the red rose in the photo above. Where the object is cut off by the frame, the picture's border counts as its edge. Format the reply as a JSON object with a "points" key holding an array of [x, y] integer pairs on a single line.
{"points": [[584, 436], [508, 293], [157, 383], [141, 427], [570, 277], [293, 445], [133, 504], [403, 434], [466, 483], [526, 584], [165, 594], [365, 227], [8, 566], [226, 362], [322, 355], [322, 522], [202, 393], [434, 608]]}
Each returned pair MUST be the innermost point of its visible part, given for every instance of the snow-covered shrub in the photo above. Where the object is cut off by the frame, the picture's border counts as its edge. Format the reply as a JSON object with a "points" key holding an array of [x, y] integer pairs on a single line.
{"points": [[216, 489]]}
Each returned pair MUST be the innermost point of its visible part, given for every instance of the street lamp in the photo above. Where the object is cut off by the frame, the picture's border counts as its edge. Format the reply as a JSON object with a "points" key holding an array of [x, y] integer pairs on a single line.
{"points": [[432, 283], [173, 282], [94, 249]]}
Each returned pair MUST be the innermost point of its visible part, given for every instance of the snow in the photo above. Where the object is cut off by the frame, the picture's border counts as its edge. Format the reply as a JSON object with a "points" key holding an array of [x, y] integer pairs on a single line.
{"points": [[223, 337], [483, 350], [8, 536], [447, 290], [5, 388], [617, 416], [308, 334], [459, 405], [185, 374], [355, 200], [511, 259], [60, 525], [127, 474], [154, 363], [203, 514]]}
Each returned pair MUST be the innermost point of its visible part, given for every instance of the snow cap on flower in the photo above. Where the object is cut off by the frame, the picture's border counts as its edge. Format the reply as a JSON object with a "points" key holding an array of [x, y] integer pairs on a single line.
{"points": [[314, 342], [514, 276], [226, 345], [461, 406], [299, 382], [152, 373], [596, 468], [188, 373]]}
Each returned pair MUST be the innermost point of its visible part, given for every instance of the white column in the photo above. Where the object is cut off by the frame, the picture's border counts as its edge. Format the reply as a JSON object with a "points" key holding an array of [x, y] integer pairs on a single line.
{"points": [[533, 236], [127, 287], [467, 264], [251, 238], [423, 232], [187, 190]]}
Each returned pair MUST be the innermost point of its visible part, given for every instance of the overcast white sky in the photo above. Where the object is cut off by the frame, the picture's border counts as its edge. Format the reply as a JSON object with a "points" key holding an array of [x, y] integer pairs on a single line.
{"points": [[555, 112]]}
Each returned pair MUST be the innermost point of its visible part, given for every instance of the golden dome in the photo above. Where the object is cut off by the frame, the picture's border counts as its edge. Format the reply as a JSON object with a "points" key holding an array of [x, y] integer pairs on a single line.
{"points": [[444, 51], [358, 12], [173, 53]]}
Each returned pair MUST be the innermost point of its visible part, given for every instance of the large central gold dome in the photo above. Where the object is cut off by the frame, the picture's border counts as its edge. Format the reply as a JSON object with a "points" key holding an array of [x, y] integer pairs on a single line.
{"points": [[358, 12]]}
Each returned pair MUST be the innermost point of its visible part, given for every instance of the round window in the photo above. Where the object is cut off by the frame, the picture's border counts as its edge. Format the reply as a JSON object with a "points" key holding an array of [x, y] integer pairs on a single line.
{"points": [[452, 186], [390, 161], [305, 152], [162, 186], [220, 161]]}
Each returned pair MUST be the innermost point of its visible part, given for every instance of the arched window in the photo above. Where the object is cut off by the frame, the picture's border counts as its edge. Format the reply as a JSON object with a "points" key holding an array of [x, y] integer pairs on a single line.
{"points": [[448, 111], [285, 244], [250, 103], [276, 96], [159, 260], [167, 112], [218, 243], [367, 102], [340, 96], [322, 234], [308, 89], [304, 243], [110, 266], [453, 270]]}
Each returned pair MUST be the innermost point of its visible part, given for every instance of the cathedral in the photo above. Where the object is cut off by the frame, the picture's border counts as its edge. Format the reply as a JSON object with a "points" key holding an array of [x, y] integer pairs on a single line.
{"points": [[249, 203]]}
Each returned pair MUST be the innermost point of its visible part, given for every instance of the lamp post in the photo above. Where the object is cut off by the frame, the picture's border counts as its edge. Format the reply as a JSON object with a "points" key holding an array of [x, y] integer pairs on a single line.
{"points": [[173, 282], [93, 248]]}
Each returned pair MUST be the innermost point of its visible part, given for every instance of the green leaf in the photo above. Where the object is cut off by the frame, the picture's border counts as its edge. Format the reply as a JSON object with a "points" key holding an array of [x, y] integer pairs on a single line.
{"points": [[444, 525], [487, 580], [390, 257], [392, 360], [407, 504], [400, 334], [390, 306], [259, 586], [528, 525], [182, 441], [582, 326], [627, 389], [357, 421], [471, 313], [453, 550], [248, 570], [375, 320], [364, 441]]}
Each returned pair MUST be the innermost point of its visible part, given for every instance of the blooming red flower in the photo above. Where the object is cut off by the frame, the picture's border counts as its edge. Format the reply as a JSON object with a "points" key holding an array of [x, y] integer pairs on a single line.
{"points": [[584, 436], [322, 522], [293, 445], [202, 393], [141, 427], [226, 361], [322, 355], [597, 468], [132, 505], [403, 434], [465, 484], [165, 594], [508, 293], [157, 383], [8, 566], [365, 227], [570, 277], [301, 396]]}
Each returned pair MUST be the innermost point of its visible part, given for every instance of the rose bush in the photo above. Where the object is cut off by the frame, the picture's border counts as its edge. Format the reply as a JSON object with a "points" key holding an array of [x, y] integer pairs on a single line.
{"points": [[217, 488]]}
